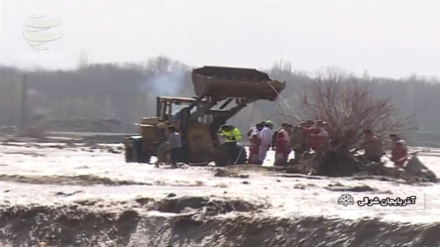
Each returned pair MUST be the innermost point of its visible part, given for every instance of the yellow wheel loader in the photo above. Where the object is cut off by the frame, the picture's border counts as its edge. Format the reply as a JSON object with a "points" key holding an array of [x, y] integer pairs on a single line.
{"points": [[221, 92]]}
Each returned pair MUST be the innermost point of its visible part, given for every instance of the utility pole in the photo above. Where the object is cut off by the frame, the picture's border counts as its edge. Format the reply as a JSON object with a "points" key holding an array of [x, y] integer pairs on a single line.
{"points": [[23, 110]]}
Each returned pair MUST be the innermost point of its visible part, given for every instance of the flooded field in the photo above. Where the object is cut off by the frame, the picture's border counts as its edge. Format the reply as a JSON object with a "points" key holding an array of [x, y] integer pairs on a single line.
{"points": [[69, 195]]}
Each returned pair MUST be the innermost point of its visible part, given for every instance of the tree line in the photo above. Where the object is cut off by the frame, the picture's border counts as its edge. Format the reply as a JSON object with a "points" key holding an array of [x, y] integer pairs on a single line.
{"points": [[127, 92]]}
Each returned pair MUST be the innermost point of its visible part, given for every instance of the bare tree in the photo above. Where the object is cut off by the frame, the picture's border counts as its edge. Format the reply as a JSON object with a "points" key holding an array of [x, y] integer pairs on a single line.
{"points": [[286, 109], [281, 70], [349, 107], [83, 59], [163, 65]]}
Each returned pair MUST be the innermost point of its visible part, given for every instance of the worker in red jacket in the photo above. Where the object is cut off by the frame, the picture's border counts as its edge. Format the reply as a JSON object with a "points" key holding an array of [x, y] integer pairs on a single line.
{"points": [[254, 144], [318, 135], [399, 151], [282, 145]]}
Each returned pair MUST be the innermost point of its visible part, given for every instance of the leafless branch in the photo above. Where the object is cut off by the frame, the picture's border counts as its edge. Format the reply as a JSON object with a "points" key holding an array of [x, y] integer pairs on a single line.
{"points": [[350, 107]]}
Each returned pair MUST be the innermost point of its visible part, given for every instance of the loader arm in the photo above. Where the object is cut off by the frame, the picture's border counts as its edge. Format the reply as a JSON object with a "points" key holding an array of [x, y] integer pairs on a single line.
{"points": [[224, 85], [221, 119], [201, 111]]}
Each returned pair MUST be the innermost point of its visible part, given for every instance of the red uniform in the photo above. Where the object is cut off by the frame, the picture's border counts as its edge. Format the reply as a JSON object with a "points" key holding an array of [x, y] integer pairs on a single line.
{"points": [[317, 136], [399, 154], [282, 147], [254, 146]]}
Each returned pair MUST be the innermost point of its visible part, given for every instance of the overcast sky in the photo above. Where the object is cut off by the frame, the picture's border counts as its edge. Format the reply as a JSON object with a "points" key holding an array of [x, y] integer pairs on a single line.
{"points": [[384, 37]]}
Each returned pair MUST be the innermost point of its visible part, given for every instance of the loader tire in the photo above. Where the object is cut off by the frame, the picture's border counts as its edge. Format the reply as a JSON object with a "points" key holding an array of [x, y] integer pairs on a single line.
{"points": [[134, 152], [128, 154], [220, 157]]}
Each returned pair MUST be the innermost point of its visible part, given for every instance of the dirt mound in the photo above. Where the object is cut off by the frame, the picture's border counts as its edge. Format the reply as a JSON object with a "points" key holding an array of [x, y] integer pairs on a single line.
{"points": [[341, 188], [205, 205], [225, 172], [60, 226], [88, 226], [244, 231], [82, 180]]}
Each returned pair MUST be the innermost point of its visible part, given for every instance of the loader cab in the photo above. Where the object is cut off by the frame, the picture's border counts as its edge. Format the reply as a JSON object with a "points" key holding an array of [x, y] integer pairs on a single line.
{"points": [[169, 109]]}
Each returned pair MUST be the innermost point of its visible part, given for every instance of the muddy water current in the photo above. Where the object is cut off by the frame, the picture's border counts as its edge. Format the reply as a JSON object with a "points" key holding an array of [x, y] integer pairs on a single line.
{"points": [[88, 196]]}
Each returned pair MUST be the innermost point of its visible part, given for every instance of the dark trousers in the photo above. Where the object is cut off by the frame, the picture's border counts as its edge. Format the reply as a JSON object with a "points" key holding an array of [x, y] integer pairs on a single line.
{"points": [[231, 148], [174, 156], [298, 152]]}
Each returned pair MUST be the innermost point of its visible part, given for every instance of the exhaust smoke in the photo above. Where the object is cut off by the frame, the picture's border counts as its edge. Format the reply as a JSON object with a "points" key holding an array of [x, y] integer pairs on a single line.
{"points": [[166, 84], [173, 84]]}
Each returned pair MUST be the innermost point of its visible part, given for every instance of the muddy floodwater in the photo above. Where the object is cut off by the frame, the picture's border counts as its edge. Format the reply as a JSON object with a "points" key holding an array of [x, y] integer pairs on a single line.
{"points": [[67, 195]]}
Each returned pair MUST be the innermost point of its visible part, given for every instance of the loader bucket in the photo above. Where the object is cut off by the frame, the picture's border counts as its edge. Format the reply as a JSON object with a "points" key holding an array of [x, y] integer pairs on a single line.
{"points": [[224, 82]]}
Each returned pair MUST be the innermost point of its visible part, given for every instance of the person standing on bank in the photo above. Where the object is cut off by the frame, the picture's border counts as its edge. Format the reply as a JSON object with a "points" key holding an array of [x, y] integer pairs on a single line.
{"points": [[266, 140], [254, 144], [372, 146], [175, 142], [274, 135], [232, 135], [282, 145], [399, 151]]}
